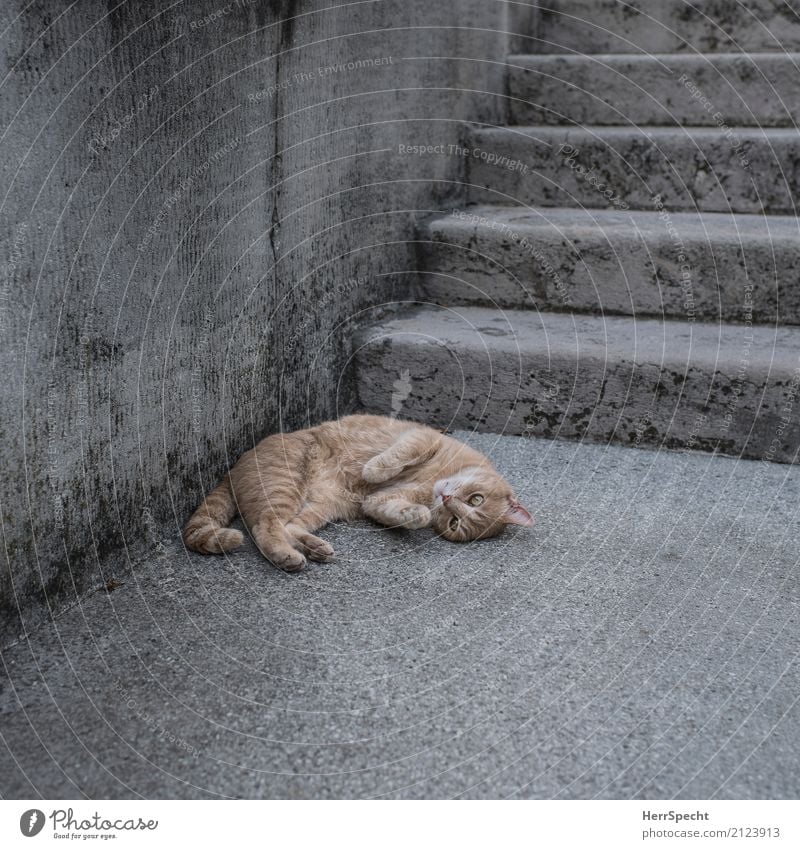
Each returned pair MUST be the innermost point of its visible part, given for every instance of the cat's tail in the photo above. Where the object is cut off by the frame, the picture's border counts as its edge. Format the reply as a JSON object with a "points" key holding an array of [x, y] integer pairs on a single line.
{"points": [[206, 530]]}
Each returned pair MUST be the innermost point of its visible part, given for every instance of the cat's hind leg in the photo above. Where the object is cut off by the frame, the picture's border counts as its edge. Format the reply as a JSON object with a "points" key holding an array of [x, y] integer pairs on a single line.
{"points": [[312, 546], [276, 545], [311, 518], [269, 486]]}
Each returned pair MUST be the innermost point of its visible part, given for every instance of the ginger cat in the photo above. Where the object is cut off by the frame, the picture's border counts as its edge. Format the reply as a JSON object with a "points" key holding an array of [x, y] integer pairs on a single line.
{"points": [[394, 472]]}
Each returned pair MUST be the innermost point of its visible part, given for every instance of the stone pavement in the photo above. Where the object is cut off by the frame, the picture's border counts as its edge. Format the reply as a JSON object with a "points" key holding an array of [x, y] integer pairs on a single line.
{"points": [[641, 641]]}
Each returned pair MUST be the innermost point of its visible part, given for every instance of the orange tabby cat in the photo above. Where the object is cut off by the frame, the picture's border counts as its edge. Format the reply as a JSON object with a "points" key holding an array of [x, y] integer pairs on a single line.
{"points": [[395, 472]]}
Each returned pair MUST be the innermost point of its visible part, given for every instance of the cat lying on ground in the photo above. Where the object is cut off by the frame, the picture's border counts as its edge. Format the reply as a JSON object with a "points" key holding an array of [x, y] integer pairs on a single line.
{"points": [[394, 472]]}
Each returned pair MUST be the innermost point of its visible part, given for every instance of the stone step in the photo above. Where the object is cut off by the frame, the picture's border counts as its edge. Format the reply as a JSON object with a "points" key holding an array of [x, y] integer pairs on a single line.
{"points": [[614, 26], [725, 387], [690, 168], [704, 266], [755, 89]]}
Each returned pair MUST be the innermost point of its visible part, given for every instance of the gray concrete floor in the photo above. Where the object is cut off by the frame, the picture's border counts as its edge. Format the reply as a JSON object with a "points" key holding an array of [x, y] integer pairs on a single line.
{"points": [[642, 641]]}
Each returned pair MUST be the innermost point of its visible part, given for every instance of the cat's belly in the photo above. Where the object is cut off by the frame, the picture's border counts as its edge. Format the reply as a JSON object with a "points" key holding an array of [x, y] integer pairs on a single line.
{"points": [[331, 493]]}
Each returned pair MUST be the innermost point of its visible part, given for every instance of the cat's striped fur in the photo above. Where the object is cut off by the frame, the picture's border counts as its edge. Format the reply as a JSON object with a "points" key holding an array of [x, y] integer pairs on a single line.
{"points": [[394, 472]]}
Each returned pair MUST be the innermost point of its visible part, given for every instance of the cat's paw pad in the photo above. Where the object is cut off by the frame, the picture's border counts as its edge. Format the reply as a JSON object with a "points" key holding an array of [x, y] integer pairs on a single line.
{"points": [[374, 472], [290, 562], [414, 517], [319, 550]]}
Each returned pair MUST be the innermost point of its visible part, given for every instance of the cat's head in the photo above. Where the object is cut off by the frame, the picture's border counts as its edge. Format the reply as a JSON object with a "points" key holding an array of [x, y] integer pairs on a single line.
{"points": [[475, 503]]}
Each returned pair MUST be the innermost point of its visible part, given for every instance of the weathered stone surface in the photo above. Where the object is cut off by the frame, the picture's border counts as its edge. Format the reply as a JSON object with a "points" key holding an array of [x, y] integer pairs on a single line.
{"points": [[703, 265], [728, 388], [725, 89], [197, 199], [611, 26], [688, 168], [640, 641], [188, 285]]}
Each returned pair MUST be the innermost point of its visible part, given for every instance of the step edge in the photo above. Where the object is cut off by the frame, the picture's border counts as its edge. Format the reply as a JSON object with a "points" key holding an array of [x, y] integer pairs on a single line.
{"points": [[638, 129], [643, 57]]}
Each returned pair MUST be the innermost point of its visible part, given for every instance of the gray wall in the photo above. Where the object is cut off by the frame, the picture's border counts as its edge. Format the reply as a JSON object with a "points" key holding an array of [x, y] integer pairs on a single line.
{"points": [[194, 215]]}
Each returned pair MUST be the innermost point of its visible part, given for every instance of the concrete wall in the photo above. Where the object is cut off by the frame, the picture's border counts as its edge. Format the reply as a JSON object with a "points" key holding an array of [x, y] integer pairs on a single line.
{"points": [[199, 200]]}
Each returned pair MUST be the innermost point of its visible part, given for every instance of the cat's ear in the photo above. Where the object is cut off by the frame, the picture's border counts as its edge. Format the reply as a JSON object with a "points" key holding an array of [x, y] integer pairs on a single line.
{"points": [[516, 514]]}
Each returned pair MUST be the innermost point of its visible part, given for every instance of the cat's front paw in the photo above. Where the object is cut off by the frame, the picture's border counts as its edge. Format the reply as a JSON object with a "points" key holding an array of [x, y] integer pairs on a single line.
{"points": [[374, 472], [415, 516]]}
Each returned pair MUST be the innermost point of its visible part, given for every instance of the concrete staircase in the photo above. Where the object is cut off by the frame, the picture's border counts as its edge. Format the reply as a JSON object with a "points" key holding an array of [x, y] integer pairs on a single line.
{"points": [[626, 264]]}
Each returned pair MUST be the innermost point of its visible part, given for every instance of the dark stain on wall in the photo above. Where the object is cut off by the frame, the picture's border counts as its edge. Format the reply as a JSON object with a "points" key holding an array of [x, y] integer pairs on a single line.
{"points": [[197, 217]]}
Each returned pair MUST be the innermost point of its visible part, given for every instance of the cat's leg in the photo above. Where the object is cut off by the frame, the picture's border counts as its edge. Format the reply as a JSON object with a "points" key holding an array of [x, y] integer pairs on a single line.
{"points": [[276, 545], [300, 528], [396, 511], [410, 449], [269, 488], [312, 546], [330, 502]]}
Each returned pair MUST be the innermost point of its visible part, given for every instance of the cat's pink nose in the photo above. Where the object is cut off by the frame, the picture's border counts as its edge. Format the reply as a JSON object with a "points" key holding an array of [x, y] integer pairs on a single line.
{"points": [[445, 499]]}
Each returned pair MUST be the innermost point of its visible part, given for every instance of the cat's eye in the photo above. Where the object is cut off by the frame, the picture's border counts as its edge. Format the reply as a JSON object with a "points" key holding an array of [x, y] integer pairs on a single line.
{"points": [[454, 523], [476, 500]]}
